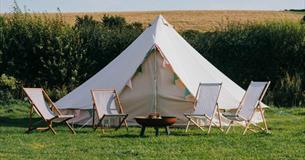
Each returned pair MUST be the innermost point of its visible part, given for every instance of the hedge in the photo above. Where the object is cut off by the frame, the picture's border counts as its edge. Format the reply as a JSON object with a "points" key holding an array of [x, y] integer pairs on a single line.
{"points": [[39, 51]]}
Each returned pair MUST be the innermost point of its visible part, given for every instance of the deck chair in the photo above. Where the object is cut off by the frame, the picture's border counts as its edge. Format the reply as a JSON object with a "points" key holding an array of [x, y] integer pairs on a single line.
{"points": [[205, 105], [249, 104], [106, 103], [43, 106]]}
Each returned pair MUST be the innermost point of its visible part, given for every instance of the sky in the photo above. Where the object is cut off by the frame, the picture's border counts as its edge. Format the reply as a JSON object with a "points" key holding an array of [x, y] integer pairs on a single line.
{"points": [[147, 5]]}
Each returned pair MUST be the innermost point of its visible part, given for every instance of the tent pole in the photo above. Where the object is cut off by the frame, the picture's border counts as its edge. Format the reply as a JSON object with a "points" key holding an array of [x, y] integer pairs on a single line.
{"points": [[155, 82]]}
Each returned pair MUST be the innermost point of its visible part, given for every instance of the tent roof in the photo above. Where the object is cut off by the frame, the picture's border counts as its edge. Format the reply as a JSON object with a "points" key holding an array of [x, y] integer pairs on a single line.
{"points": [[186, 62]]}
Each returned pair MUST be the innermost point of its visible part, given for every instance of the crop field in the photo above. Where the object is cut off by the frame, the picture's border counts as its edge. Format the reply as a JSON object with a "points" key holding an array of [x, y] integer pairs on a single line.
{"points": [[286, 140], [197, 20]]}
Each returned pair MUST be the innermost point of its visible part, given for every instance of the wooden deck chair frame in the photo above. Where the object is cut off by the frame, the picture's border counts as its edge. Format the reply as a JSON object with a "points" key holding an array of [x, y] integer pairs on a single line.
{"points": [[120, 115], [49, 122], [249, 121], [191, 117]]}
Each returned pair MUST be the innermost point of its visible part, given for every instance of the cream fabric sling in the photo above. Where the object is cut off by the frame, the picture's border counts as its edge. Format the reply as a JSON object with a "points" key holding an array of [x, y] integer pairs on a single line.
{"points": [[250, 103], [43, 106], [106, 103], [205, 105]]}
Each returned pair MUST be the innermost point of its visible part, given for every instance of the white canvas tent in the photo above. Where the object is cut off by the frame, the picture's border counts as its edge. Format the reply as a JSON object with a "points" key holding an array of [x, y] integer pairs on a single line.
{"points": [[159, 72]]}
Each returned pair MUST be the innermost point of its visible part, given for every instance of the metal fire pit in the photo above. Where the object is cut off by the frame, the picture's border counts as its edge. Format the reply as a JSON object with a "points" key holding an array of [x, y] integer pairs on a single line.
{"points": [[163, 121]]}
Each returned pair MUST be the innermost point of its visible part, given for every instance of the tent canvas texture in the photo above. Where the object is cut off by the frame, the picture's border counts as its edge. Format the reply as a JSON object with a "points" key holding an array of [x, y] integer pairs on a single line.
{"points": [[158, 72]]}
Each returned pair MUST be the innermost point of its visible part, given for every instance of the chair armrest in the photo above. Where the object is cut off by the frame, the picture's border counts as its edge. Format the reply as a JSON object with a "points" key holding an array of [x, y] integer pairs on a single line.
{"points": [[229, 114], [65, 116]]}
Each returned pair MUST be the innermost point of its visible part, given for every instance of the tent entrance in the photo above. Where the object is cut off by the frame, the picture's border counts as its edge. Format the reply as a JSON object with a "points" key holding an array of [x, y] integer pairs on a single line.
{"points": [[156, 88]]}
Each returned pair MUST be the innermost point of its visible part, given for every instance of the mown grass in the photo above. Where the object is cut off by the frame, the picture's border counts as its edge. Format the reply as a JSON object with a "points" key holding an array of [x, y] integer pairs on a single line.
{"points": [[287, 140]]}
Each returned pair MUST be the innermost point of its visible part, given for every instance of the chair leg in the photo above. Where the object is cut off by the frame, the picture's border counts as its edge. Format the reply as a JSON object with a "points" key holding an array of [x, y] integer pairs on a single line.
{"points": [[167, 130], [30, 120], [247, 126], [187, 126], [257, 126], [93, 119], [69, 126], [102, 129], [119, 126], [196, 124], [211, 122], [126, 125], [210, 125], [265, 123], [98, 124], [50, 126], [252, 130], [219, 127], [219, 118], [43, 129], [230, 124]]}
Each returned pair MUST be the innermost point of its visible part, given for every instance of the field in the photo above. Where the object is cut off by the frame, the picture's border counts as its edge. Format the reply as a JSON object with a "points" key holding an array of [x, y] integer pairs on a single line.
{"points": [[197, 20], [286, 141]]}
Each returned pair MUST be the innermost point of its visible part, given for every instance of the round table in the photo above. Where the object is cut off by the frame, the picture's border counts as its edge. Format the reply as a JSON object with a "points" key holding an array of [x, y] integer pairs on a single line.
{"points": [[156, 123]]}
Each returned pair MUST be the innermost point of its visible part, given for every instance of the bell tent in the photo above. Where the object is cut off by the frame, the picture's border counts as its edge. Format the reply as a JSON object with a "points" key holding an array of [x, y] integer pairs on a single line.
{"points": [[158, 72]]}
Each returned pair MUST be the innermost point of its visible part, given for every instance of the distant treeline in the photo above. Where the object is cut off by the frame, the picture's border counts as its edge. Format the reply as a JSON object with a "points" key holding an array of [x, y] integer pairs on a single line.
{"points": [[37, 51], [296, 10]]}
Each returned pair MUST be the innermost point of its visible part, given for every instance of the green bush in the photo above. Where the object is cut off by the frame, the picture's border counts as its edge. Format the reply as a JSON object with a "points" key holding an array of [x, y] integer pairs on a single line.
{"points": [[57, 93], [8, 88], [288, 91], [49, 53], [114, 21], [259, 52], [303, 20]]}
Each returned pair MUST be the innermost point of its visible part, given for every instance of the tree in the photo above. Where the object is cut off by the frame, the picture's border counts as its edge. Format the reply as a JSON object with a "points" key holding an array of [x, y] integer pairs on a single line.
{"points": [[114, 21], [86, 20]]}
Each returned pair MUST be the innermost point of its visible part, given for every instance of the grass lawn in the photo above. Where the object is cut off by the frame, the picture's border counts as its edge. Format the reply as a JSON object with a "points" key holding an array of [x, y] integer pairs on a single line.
{"points": [[287, 140]]}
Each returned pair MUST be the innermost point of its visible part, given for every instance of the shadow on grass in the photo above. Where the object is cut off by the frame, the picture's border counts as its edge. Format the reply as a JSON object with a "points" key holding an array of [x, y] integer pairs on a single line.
{"points": [[24, 122], [16, 122], [189, 133], [127, 135], [301, 113], [136, 134]]}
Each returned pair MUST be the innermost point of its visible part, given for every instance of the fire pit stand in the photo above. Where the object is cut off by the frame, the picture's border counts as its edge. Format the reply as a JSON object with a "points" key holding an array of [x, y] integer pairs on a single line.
{"points": [[156, 131], [156, 123]]}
